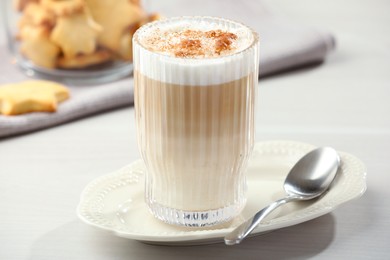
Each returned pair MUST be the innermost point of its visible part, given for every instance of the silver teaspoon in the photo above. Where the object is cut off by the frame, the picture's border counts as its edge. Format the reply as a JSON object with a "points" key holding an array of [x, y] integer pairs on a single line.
{"points": [[310, 177]]}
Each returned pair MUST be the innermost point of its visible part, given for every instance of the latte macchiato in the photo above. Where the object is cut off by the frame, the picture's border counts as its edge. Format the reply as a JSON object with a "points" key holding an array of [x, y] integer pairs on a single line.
{"points": [[195, 85]]}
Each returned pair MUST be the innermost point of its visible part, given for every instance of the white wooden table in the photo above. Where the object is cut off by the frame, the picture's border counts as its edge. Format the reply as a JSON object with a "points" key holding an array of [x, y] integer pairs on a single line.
{"points": [[343, 103]]}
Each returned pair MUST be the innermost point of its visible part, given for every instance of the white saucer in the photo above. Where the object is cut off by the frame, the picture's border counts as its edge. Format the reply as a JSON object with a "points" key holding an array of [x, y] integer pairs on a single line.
{"points": [[115, 202]]}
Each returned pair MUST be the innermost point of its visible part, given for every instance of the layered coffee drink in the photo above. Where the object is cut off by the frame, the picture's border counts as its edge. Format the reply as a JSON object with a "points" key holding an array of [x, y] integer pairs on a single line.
{"points": [[195, 84]]}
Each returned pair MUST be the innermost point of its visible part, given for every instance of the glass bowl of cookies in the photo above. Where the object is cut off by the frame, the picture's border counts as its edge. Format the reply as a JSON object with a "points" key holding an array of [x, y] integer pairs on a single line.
{"points": [[76, 41]]}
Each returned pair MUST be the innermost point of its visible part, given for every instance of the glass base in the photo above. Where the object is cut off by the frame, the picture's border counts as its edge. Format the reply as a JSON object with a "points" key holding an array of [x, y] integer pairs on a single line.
{"points": [[196, 218]]}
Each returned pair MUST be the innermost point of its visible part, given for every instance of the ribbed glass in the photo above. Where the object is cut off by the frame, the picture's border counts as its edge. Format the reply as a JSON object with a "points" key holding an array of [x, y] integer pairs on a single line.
{"points": [[195, 126]]}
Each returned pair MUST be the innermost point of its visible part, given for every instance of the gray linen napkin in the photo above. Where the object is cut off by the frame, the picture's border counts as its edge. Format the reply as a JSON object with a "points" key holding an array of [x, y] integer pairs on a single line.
{"points": [[284, 45]]}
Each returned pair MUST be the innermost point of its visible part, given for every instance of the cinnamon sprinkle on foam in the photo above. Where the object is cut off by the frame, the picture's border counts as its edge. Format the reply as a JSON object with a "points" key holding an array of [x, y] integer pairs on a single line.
{"points": [[190, 43]]}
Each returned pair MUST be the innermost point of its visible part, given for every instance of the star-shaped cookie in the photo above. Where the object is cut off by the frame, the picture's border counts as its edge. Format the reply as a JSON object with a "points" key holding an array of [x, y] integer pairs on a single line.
{"points": [[76, 34], [114, 17], [31, 96]]}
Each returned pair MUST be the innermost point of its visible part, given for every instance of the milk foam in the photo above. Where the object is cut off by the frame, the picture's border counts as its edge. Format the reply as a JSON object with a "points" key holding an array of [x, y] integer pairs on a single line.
{"points": [[201, 71]]}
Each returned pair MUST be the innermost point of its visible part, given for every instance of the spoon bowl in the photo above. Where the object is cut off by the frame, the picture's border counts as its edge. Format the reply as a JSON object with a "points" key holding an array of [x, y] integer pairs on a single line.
{"points": [[312, 174], [309, 178]]}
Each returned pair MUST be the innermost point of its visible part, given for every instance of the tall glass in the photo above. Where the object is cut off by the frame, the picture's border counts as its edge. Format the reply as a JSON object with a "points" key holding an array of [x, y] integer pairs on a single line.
{"points": [[195, 125]]}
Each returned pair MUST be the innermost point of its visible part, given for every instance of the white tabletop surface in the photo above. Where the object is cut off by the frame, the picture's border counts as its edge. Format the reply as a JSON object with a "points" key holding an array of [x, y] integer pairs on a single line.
{"points": [[343, 103]]}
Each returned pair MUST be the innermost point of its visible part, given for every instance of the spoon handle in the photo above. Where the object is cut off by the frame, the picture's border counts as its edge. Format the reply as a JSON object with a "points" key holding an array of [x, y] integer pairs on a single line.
{"points": [[243, 230]]}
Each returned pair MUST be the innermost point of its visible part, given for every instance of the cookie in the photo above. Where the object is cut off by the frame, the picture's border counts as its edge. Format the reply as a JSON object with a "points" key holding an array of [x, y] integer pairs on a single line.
{"points": [[31, 96], [21, 4], [35, 14], [63, 7], [82, 61], [76, 34], [114, 17], [136, 2], [37, 46]]}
